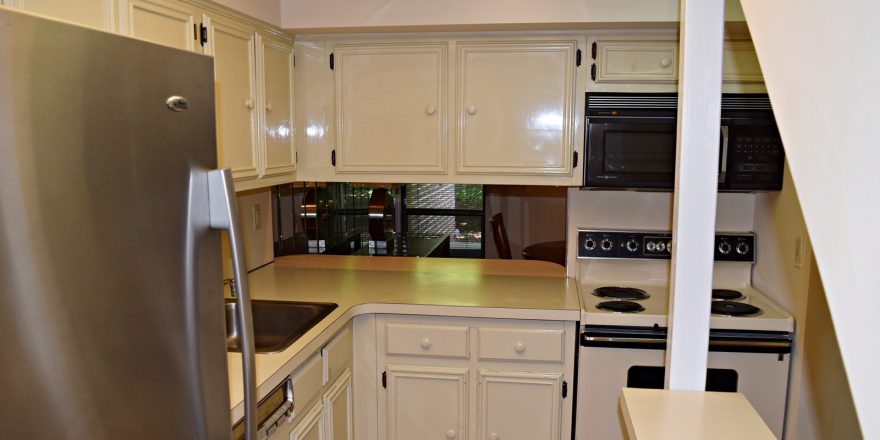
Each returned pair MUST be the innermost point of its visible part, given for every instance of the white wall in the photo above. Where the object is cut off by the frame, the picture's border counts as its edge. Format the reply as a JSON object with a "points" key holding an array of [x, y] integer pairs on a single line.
{"points": [[354, 14], [821, 61], [266, 10], [258, 243]]}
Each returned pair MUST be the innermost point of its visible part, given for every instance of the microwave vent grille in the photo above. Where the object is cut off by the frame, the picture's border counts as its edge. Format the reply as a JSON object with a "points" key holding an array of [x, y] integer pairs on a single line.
{"points": [[729, 101]]}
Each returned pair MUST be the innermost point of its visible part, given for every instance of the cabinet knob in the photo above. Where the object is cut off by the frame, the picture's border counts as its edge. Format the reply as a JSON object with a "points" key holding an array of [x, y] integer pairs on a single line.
{"points": [[493, 436], [426, 343], [472, 110], [268, 106], [249, 103], [450, 433], [665, 62], [430, 109], [519, 347]]}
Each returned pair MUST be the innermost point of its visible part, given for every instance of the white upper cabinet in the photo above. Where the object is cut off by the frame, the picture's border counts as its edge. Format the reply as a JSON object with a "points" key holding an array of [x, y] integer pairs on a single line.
{"points": [[390, 107], [99, 14], [169, 23], [276, 60], [232, 45], [649, 62], [516, 106]]}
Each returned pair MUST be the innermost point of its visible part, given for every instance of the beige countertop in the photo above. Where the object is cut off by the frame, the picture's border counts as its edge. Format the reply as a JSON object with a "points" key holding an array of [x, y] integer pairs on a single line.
{"points": [[685, 415], [514, 289]]}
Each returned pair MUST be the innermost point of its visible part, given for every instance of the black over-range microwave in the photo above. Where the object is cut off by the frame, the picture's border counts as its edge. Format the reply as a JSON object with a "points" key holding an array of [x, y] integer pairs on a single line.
{"points": [[630, 142]]}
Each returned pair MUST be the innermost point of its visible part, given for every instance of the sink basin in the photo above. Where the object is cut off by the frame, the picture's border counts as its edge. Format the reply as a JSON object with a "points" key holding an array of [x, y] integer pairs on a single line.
{"points": [[277, 324]]}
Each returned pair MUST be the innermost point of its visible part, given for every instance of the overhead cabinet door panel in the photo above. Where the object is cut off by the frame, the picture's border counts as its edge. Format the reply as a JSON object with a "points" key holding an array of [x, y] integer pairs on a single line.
{"points": [[169, 24], [515, 107], [390, 108], [278, 107]]}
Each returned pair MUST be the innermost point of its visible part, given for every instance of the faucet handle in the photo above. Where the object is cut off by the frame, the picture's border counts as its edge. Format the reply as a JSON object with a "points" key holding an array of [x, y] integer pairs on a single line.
{"points": [[231, 283]]}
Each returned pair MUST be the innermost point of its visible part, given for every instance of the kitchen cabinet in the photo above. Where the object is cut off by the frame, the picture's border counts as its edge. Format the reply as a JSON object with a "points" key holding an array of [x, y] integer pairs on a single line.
{"points": [[312, 425], [275, 58], [515, 104], [338, 408], [169, 23], [518, 405], [446, 377], [640, 62], [426, 402], [233, 47], [390, 101], [99, 14]]}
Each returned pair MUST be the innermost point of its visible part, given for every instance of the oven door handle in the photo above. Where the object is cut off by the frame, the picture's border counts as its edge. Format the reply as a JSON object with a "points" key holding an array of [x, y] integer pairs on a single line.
{"points": [[660, 343], [722, 159]]}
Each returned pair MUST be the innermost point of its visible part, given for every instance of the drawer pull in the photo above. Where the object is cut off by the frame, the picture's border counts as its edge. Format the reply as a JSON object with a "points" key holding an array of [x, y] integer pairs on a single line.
{"points": [[426, 343], [249, 103], [430, 110], [519, 347], [472, 110], [450, 433], [665, 62], [493, 436]]}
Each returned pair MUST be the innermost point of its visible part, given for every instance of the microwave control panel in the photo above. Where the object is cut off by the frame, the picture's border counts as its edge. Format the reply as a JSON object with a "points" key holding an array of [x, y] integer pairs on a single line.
{"points": [[603, 244]]}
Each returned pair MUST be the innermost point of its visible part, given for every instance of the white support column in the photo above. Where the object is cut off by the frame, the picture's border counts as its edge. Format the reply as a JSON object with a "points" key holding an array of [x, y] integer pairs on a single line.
{"points": [[696, 181]]}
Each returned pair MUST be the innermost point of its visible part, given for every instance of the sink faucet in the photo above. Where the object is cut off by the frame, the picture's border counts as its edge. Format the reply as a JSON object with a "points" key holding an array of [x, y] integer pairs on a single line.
{"points": [[231, 283]]}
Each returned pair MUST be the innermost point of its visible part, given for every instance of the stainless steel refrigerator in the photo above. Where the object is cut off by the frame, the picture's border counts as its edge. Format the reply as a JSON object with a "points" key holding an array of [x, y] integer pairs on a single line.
{"points": [[111, 296]]}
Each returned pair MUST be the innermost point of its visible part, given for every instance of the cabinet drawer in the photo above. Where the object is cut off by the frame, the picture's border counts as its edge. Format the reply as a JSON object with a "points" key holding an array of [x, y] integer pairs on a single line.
{"points": [[637, 61], [306, 382], [426, 340], [542, 345], [337, 354]]}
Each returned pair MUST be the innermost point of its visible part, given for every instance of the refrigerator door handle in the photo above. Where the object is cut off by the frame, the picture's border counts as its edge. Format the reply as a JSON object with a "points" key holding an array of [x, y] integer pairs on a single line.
{"points": [[224, 215]]}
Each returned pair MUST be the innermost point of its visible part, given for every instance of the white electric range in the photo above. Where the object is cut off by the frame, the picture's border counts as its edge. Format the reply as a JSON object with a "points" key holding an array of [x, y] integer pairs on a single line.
{"points": [[623, 333]]}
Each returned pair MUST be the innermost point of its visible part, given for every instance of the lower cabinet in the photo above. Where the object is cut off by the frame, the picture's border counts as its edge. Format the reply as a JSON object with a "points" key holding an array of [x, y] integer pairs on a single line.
{"points": [[338, 409], [426, 402], [474, 378], [311, 427]]}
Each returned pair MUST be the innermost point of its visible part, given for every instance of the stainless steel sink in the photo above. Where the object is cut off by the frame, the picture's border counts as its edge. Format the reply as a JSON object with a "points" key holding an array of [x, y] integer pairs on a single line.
{"points": [[277, 324]]}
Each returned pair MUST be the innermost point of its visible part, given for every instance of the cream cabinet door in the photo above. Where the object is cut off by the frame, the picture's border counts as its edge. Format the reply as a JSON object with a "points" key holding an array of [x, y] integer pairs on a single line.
{"points": [[426, 402], [232, 45], [515, 107], [519, 406], [741, 63], [98, 14], [169, 23], [635, 61], [276, 58], [311, 426], [390, 107], [338, 408]]}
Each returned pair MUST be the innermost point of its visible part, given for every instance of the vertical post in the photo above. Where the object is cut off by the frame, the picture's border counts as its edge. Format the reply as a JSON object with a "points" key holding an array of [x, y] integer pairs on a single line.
{"points": [[696, 181]]}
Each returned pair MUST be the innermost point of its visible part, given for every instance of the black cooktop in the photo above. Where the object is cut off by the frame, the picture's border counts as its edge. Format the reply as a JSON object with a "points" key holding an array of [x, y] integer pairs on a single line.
{"points": [[620, 306], [733, 308], [621, 293]]}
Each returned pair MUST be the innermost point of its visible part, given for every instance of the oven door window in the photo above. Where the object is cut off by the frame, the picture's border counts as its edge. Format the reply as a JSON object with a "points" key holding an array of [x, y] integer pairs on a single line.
{"points": [[717, 379], [631, 154]]}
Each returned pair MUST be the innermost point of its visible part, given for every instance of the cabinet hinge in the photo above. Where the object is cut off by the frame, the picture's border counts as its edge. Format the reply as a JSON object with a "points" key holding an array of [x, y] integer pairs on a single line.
{"points": [[384, 379], [195, 32], [574, 160], [594, 49], [331, 61], [593, 72], [203, 34], [294, 61], [296, 157], [564, 389], [333, 158], [578, 58]]}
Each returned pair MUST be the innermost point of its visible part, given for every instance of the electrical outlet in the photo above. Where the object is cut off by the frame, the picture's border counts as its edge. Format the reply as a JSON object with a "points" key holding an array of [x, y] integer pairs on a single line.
{"points": [[798, 251], [258, 217]]}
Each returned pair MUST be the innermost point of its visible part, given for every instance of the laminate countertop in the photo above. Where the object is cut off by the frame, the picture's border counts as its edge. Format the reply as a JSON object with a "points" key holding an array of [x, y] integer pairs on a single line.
{"points": [[513, 289]]}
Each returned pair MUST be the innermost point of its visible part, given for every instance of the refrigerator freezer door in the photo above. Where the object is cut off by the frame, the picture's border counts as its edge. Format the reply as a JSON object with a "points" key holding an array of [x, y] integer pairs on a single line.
{"points": [[111, 302]]}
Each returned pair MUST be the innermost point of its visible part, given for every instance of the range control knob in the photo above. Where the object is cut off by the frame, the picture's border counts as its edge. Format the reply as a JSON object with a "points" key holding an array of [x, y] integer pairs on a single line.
{"points": [[724, 247], [661, 246], [605, 244], [651, 246], [632, 245], [742, 248], [669, 245], [589, 244]]}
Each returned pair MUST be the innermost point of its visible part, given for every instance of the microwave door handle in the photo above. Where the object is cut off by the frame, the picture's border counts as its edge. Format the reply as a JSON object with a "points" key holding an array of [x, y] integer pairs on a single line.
{"points": [[224, 215], [722, 169]]}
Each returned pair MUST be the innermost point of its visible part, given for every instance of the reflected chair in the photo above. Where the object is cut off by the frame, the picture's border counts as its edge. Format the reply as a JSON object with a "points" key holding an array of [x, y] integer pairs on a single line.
{"points": [[499, 233]]}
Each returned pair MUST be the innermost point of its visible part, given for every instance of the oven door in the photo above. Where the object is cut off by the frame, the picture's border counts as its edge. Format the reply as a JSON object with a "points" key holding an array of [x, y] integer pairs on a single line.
{"points": [[758, 369]]}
